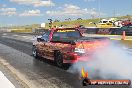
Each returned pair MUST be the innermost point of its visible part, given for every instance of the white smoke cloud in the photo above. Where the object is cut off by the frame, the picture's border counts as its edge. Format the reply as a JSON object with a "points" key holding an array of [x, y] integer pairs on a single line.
{"points": [[111, 62]]}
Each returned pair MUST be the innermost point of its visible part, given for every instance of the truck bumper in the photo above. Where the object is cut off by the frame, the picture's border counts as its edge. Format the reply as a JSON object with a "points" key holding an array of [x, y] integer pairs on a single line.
{"points": [[77, 58]]}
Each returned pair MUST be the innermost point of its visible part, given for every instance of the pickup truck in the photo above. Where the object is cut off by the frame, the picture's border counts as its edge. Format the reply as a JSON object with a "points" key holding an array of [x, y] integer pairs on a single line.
{"points": [[66, 46]]}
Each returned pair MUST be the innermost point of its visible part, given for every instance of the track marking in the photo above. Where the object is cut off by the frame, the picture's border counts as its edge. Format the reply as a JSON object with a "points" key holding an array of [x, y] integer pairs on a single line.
{"points": [[4, 82], [24, 36], [25, 81], [4, 34], [14, 35]]}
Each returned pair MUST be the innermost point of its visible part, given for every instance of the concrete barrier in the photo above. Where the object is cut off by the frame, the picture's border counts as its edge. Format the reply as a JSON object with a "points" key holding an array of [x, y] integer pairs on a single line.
{"points": [[21, 30], [104, 31]]}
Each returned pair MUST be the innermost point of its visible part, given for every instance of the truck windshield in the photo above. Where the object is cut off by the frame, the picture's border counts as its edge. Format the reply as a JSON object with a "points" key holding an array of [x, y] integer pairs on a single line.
{"points": [[66, 34]]}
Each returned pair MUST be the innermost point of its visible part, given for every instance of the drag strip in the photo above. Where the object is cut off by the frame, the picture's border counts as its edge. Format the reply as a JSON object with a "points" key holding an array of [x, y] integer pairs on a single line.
{"points": [[18, 45], [42, 73], [34, 69]]}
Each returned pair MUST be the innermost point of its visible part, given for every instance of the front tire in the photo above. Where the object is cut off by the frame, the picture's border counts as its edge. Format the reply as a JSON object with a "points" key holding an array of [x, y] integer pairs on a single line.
{"points": [[34, 52]]}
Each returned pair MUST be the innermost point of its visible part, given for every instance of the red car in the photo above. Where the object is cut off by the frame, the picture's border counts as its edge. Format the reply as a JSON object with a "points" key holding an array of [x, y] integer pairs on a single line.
{"points": [[66, 46], [127, 22]]}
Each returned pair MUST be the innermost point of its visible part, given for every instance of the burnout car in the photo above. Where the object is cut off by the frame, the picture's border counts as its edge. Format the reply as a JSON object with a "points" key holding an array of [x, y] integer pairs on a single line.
{"points": [[66, 46]]}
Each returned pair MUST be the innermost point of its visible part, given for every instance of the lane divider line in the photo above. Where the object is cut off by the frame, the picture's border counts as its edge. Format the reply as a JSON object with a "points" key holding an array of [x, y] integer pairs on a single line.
{"points": [[21, 78]]}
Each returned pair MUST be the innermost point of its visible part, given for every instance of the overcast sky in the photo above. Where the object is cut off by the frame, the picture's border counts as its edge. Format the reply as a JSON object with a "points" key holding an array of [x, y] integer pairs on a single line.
{"points": [[20, 12]]}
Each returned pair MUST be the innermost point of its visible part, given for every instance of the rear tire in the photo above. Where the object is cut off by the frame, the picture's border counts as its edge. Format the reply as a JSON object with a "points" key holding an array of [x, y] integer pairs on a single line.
{"points": [[59, 60]]}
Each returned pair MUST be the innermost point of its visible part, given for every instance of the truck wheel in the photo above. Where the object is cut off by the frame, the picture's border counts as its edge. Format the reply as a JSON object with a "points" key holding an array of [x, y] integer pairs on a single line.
{"points": [[59, 60], [34, 52]]}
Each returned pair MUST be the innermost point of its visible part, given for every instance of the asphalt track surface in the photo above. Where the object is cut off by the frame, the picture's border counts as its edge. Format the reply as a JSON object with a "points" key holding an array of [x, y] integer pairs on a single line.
{"points": [[44, 73]]}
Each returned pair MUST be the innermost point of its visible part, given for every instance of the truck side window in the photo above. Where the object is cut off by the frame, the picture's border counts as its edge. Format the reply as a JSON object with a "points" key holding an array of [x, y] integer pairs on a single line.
{"points": [[45, 36], [56, 36]]}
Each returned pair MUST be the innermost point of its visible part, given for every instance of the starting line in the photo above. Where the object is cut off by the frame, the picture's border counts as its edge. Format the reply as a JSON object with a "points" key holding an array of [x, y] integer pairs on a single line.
{"points": [[4, 82]]}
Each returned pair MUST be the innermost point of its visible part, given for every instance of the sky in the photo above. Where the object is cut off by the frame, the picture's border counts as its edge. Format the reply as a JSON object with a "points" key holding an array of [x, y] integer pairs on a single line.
{"points": [[22, 12]]}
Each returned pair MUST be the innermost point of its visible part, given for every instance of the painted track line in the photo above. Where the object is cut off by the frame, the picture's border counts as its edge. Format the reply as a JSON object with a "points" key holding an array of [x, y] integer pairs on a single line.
{"points": [[20, 77], [4, 82]]}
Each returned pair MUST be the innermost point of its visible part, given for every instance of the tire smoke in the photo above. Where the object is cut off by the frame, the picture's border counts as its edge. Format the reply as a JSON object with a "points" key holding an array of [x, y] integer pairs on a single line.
{"points": [[110, 62]]}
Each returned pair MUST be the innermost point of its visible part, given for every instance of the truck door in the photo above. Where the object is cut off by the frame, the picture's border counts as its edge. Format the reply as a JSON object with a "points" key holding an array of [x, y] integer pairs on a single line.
{"points": [[45, 46]]}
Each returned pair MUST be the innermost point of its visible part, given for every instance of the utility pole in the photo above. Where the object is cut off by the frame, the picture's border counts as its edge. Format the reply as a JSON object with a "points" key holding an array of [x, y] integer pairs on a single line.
{"points": [[99, 9]]}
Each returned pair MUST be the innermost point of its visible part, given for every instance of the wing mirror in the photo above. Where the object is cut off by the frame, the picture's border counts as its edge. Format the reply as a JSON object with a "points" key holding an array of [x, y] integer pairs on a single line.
{"points": [[40, 39]]}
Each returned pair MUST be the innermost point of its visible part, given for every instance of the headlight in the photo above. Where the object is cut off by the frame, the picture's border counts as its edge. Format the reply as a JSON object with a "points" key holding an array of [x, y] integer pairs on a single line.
{"points": [[78, 50]]}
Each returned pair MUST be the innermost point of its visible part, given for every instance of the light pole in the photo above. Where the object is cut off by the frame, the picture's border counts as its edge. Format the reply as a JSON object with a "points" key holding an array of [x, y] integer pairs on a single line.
{"points": [[99, 9]]}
